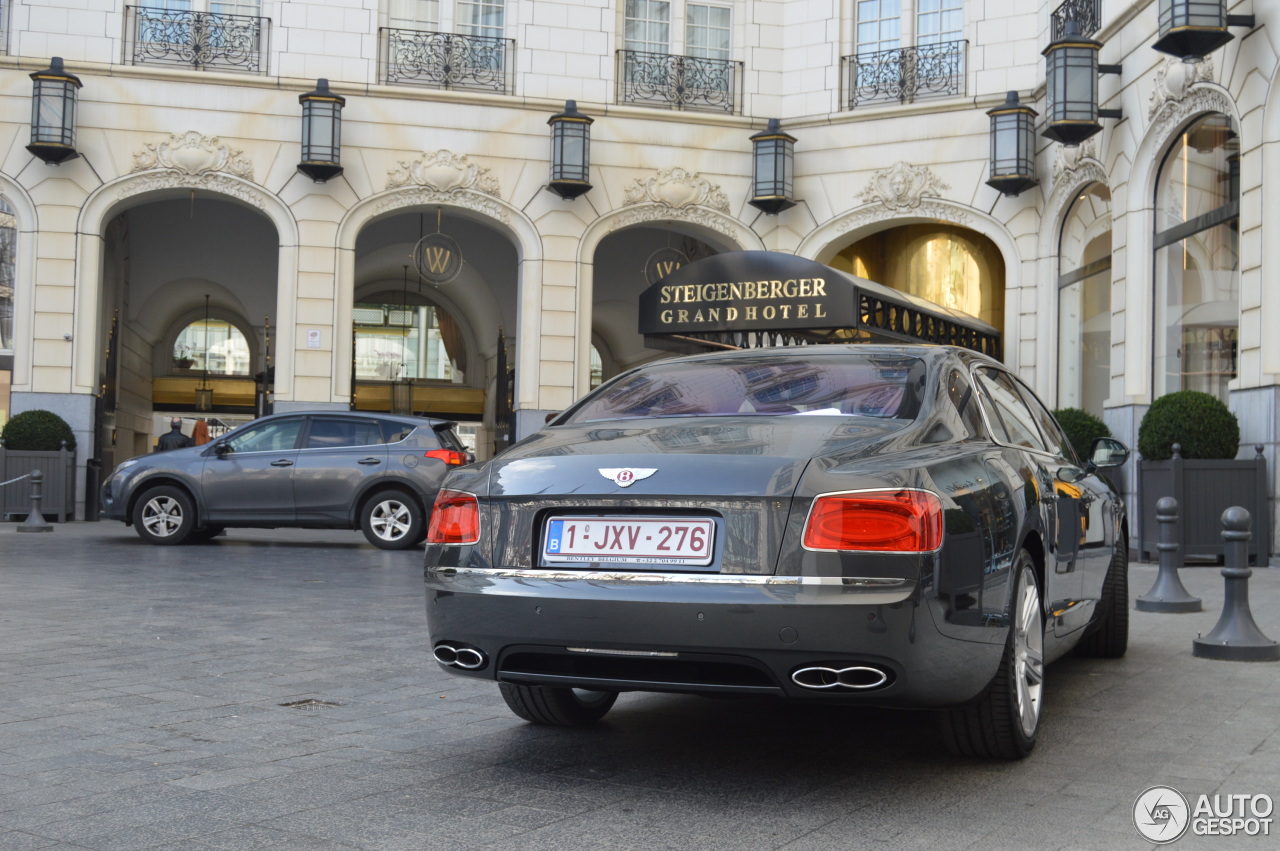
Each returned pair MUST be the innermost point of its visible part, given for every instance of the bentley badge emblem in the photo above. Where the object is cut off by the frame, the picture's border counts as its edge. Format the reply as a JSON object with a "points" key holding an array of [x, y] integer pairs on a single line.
{"points": [[624, 477]]}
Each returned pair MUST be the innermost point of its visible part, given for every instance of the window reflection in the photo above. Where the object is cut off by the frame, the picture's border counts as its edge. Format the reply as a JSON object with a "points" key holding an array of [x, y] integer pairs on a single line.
{"points": [[215, 346], [1084, 303], [8, 246], [397, 341], [1197, 263]]}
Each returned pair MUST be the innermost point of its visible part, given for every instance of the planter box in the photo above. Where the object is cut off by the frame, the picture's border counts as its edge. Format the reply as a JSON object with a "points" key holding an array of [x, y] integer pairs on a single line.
{"points": [[58, 493], [1204, 489]]}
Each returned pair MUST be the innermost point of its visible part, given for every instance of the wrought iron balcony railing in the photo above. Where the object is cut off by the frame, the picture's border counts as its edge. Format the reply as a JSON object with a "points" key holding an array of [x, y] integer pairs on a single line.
{"points": [[904, 74], [447, 61], [679, 82], [1086, 13], [201, 41]]}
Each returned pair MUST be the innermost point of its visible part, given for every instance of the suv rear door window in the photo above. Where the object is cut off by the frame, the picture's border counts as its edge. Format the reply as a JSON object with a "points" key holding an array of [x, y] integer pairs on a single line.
{"points": [[334, 432], [1012, 422]]}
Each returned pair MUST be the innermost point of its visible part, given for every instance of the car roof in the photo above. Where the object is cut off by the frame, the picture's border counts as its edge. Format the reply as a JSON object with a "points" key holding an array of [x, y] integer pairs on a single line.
{"points": [[408, 419], [926, 352]]}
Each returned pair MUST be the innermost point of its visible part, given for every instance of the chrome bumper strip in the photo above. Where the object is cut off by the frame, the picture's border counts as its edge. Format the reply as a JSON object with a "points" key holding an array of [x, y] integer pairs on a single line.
{"points": [[868, 583]]}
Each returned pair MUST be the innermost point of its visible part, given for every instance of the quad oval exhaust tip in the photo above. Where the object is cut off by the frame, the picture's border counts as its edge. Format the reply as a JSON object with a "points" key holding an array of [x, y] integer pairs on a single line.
{"points": [[851, 677], [455, 656]]}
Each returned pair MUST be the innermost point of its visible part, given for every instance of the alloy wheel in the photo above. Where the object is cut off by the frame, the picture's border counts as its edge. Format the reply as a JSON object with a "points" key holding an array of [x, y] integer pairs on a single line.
{"points": [[391, 520], [1028, 655], [162, 516]]}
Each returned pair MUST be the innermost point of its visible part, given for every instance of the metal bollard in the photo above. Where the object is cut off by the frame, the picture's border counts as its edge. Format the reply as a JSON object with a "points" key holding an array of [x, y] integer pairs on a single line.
{"points": [[1236, 637], [1167, 594], [35, 520]]}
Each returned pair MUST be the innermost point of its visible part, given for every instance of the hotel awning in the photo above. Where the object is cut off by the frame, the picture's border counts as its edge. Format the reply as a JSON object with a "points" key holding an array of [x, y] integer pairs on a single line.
{"points": [[745, 299]]}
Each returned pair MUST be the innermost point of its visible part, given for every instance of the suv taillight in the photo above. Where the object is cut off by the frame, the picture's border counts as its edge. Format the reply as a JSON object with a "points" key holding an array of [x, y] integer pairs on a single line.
{"points": [[452, 457], [902, 521], [455, 519]]}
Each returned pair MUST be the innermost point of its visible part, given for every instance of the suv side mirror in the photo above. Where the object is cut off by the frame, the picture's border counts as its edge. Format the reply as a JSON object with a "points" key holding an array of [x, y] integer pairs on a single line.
{"points": [[1106, 453], [221, 448]]}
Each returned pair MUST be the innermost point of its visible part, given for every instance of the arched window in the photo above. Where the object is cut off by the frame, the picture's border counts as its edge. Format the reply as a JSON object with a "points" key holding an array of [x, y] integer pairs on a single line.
{"points": [[1084, 302], [213, 345], [1197, 260], [8, 258], [396, 341]]}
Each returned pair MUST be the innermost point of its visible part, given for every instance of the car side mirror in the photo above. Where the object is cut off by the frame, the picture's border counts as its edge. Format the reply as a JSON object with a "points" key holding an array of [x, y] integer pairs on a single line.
{"points": [[221, 448], [1106, 453]]}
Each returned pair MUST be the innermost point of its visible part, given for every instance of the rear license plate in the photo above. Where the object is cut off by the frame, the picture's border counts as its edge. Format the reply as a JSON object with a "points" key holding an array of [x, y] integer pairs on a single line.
{"points": [[630, 540]]}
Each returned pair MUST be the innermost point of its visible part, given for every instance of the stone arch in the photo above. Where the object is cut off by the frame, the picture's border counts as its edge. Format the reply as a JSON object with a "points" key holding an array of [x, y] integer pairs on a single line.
{"points": [[139, 188], [708, 220], [824, 241], [480, 204]]}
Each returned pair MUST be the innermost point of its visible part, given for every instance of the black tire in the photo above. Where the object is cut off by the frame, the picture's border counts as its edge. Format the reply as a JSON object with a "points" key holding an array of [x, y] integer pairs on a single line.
{"points": [[1004, 722], [208, 533], [561, 707], [392, 520], [1109, 638], [164, 515]]}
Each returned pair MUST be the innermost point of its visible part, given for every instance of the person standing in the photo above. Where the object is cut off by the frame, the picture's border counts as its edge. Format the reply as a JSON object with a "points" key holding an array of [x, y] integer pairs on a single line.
{"points": [[175, 439], [200, 432]]}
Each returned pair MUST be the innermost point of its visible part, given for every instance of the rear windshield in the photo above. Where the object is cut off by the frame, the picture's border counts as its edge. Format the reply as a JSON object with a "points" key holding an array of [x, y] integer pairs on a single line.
{"points": [[865, 386]]}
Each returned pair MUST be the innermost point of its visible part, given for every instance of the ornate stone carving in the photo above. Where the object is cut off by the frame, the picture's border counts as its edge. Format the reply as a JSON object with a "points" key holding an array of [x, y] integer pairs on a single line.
{"points": [[1174, 78], [880, 213], [676, 189], [704, 216], [212, 181], [444, 173], [1201, 99], [419, 196], [193, 155], [902, 187], [1069, 160]]}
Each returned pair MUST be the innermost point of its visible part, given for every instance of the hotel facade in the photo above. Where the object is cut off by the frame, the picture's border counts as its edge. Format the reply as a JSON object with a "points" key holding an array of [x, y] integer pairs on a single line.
{"points": [[456, 207]]}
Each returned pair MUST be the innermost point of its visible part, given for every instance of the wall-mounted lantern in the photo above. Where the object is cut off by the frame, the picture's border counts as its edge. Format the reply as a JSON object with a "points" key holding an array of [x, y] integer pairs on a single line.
{"points": [[321, 133], [1071, 87], [1192, 29], [53, 114], [772, 169], [570, 152], [1013, 146]]}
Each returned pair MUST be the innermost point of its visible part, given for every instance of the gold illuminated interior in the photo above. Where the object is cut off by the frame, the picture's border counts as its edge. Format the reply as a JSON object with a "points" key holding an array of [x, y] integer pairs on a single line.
{"points": [[949, 266]]}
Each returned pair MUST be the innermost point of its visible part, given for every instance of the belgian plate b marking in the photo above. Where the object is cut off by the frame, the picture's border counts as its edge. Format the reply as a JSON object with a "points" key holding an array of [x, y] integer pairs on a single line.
{"points": [[625, 477]]}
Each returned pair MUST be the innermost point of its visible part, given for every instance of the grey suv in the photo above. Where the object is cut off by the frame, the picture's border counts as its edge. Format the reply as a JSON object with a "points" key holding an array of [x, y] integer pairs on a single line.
{"points": [[321, 470]]}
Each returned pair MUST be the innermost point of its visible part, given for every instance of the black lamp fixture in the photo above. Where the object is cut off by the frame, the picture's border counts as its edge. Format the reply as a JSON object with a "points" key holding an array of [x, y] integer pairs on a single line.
{"points": [[1192, 29], [773, 152], [1071, 84], [1013, 146], [570, 152], [204, 393], [321, 132], [53, 114]]}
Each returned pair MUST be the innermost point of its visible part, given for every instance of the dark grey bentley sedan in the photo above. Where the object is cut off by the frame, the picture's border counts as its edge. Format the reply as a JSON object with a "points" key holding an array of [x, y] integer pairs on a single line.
{"points": [[320, 470], [900, 526]]}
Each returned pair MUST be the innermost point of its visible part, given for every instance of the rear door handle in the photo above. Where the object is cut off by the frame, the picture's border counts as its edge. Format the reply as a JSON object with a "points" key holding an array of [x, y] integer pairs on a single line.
{"points": [[369, 461], [283, 462]]}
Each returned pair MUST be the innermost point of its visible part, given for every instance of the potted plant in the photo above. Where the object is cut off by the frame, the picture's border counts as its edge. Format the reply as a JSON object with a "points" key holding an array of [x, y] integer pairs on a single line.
{"points": [[38, 440], [1188, 441], [1082, 429], [182, 356]]}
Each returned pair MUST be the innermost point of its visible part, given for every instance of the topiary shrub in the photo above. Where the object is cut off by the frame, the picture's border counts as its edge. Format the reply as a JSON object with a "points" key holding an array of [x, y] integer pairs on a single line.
{"points": [[1201, 423], [37, 431], [1082, 428]]}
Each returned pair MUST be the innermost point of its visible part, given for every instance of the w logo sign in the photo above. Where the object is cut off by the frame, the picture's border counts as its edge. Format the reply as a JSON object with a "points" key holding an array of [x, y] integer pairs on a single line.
{"points": [[437, 258], [663, 262]]}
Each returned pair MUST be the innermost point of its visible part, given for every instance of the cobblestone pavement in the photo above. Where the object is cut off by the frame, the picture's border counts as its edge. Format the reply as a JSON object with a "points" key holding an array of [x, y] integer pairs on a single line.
{"points": [[273, 689]]}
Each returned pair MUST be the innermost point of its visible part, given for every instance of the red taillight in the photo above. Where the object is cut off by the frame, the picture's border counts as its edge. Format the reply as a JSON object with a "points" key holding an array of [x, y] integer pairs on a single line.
{"points": [[903, 521], [452, 457], [455, 519]]}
